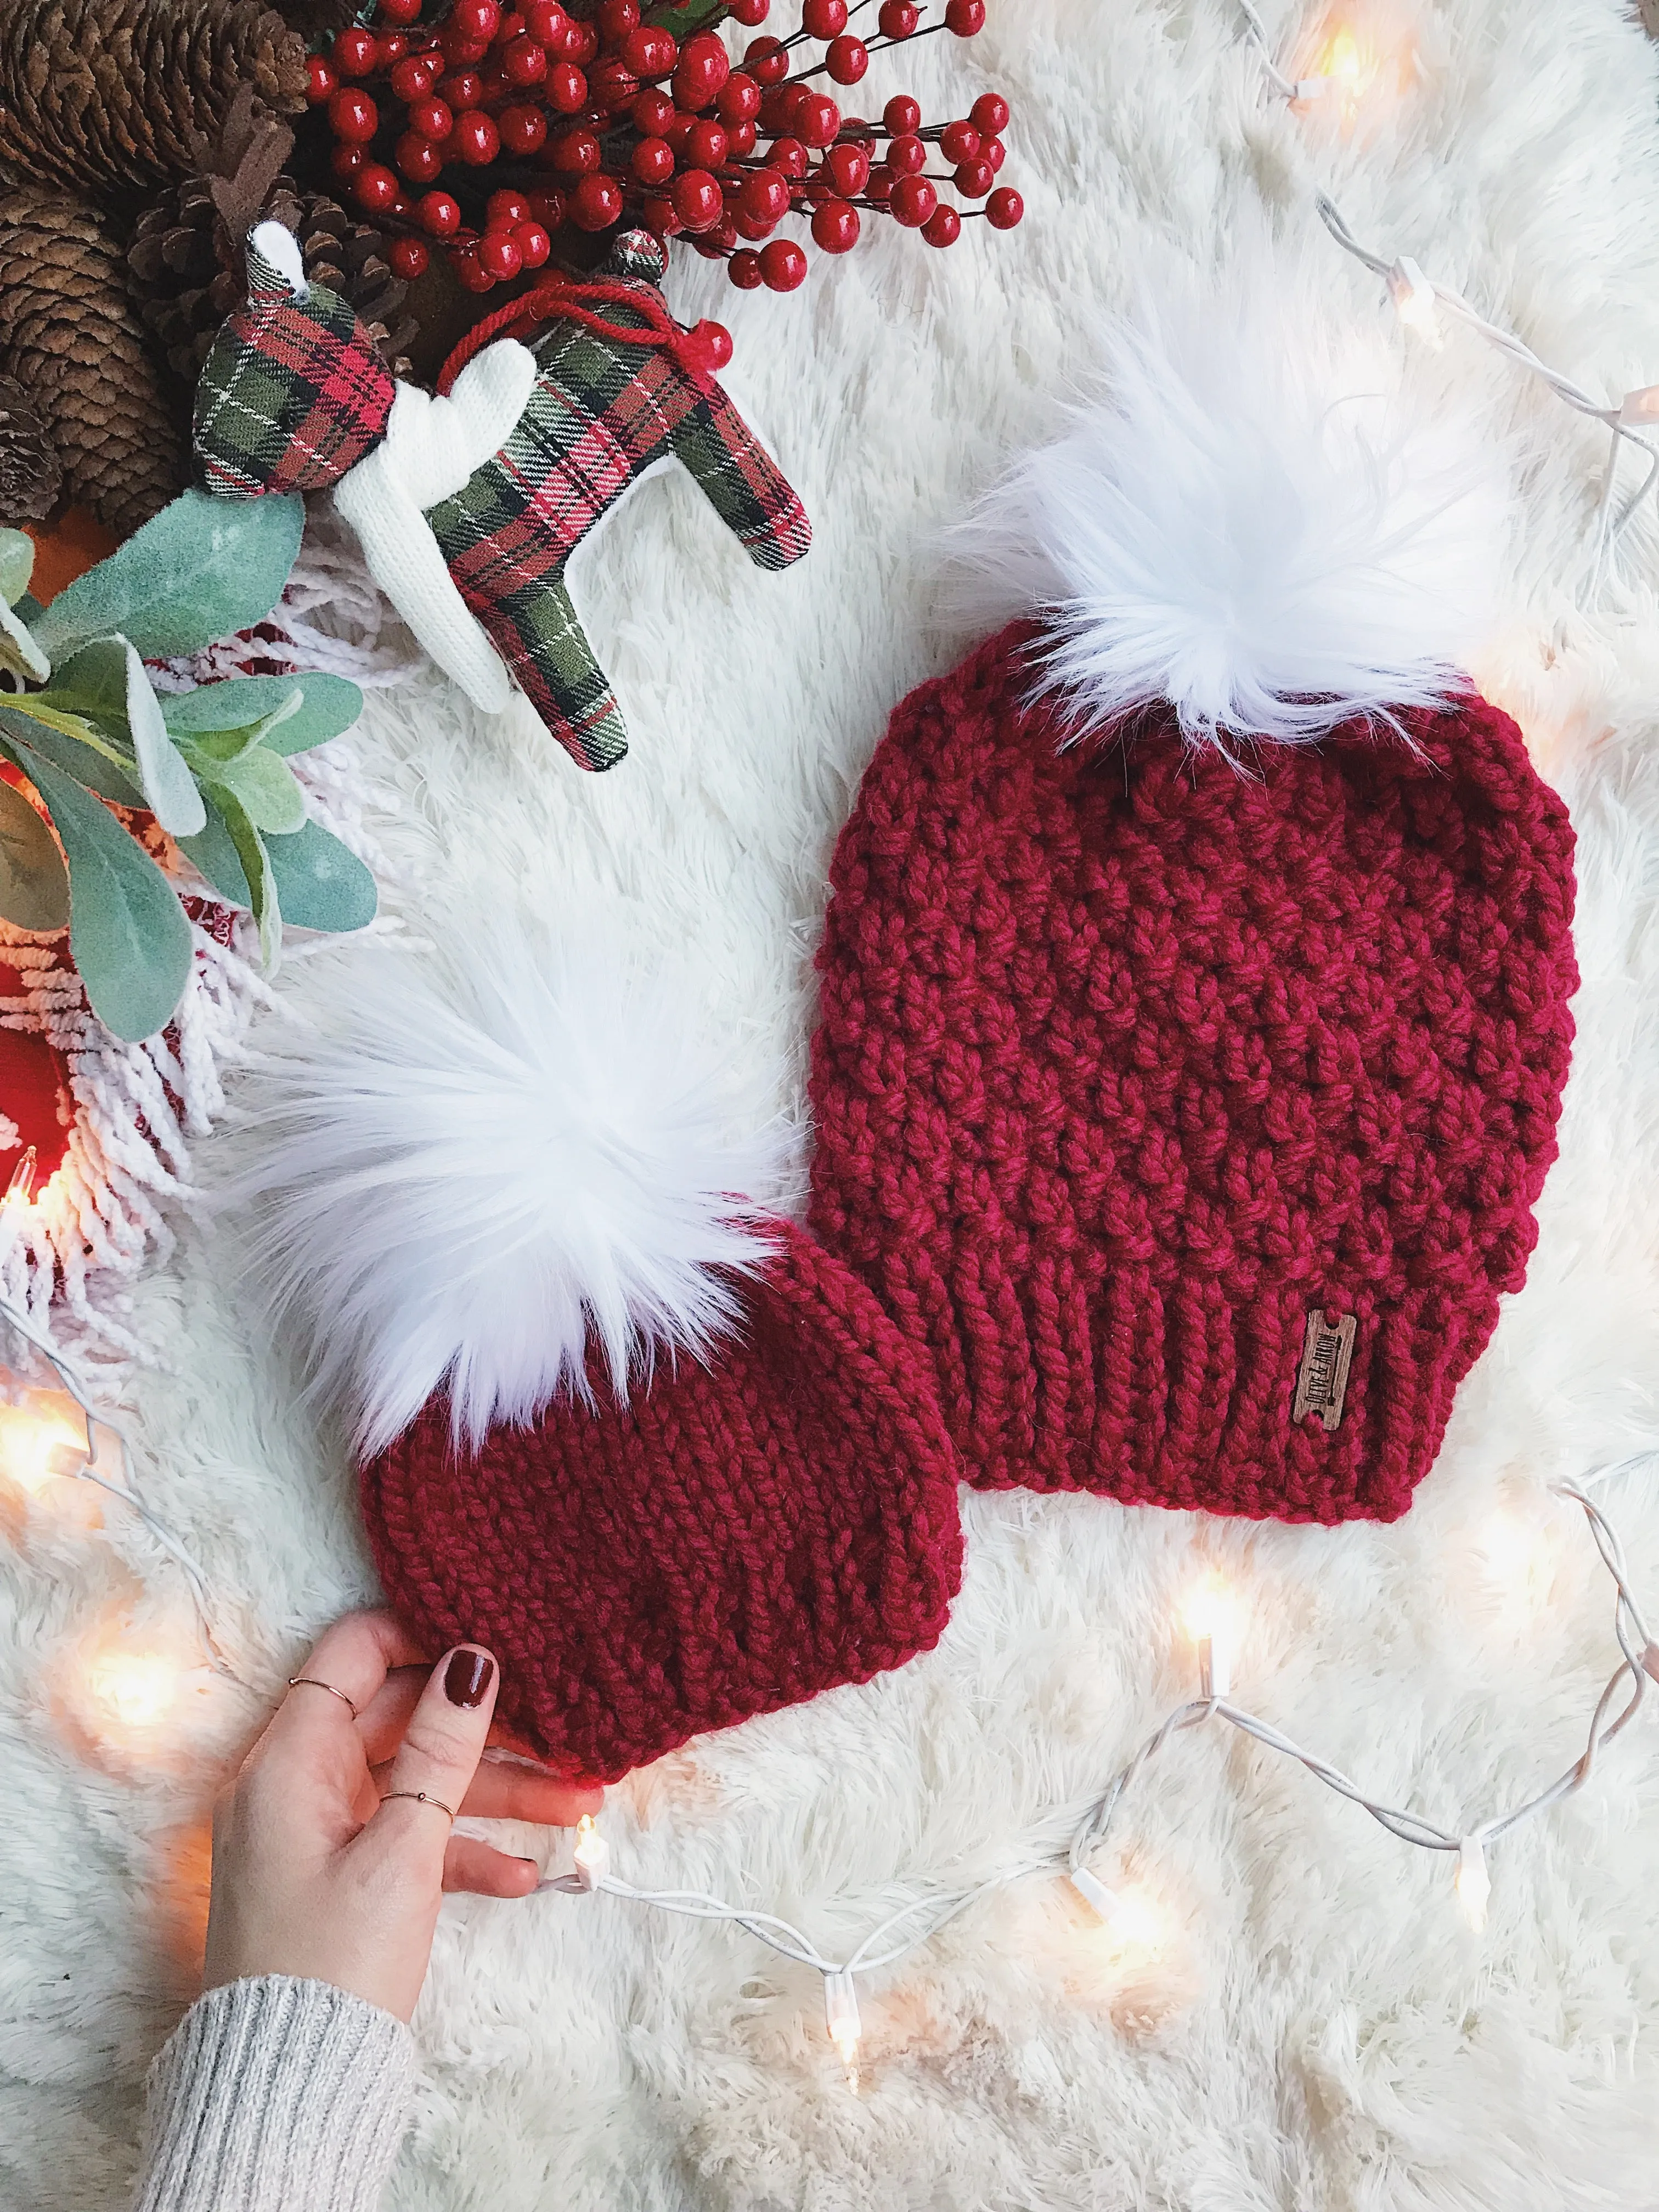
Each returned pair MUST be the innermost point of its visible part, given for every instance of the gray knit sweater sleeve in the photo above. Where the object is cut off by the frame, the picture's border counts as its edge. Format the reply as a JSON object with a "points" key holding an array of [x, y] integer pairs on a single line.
{"points": [[275, 2095]]}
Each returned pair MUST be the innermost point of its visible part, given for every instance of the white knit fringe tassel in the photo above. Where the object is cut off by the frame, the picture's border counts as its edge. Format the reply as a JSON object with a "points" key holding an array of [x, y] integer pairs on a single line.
{"points": [[136, 1107]]}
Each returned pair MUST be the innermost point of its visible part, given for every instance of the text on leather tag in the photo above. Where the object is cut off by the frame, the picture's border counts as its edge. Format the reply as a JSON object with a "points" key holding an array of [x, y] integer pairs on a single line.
{"points": [[1322, 1383]]}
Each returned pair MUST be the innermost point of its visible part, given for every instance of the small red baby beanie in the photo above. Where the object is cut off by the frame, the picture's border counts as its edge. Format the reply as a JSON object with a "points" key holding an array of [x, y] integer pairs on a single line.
{"points": [[733, 1537], [1195, 986], [665, 1457]]}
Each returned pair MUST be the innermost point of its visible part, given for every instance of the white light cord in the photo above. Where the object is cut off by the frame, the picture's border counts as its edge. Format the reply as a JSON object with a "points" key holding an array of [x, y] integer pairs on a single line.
{"points": [[126, 1488], [1286, 87], [924, 1916], [1417, 297], [1409, 288]]}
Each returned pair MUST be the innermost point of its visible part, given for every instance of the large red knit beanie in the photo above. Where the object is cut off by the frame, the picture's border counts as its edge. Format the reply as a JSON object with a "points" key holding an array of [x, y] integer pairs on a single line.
{"points": [[732, 1538], [1194, 988], [1188, 1119]]}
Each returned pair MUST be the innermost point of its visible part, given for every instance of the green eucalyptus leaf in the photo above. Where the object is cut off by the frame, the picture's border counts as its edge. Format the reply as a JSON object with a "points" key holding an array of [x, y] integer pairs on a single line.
{"points": [[128, 934], [207, 749], [21, 650], [73, 744], [223, 741], [264, 787], [202, 569], [265, 900], [327, 705], [324, 886], [93, 682], [34, 888], [214, 855], [169, 786], [16, 564]]}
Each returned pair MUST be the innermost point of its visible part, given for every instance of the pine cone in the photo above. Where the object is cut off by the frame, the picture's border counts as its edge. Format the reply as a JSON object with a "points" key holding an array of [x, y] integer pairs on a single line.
{"points": [[349, 257], [70, 337], [185, 262], [180, 288], [112, 94], [30, 473]]}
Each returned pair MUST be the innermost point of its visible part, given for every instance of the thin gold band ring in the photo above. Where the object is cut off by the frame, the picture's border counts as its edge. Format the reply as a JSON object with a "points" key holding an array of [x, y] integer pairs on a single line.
{"points": [[310, 1682], [419, 1797]]}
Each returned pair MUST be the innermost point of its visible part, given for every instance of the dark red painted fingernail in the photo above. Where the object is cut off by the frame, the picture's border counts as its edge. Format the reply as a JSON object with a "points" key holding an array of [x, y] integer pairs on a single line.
{"points": [[468, 1677]]}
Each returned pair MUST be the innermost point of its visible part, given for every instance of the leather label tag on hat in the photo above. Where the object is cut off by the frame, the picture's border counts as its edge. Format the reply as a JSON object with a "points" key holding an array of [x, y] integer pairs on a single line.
{"points": [[1322, 1383]]}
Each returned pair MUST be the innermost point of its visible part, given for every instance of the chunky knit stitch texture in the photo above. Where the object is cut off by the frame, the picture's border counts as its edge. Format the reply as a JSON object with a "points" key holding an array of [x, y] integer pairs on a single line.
{"points": [[1129, 1062], [729, 1540]]}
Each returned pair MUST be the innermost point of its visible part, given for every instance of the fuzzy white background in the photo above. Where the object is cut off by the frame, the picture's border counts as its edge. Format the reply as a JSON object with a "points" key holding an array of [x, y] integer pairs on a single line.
{"points": [[1321, 2031]]}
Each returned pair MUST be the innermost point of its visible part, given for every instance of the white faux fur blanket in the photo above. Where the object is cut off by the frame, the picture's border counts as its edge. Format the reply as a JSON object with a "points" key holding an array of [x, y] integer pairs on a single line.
{"points": [[1319, 2030]]}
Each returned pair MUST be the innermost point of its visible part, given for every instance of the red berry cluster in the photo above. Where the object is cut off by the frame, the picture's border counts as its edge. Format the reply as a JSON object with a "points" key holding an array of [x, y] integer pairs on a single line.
{"points": [[498, 127]]}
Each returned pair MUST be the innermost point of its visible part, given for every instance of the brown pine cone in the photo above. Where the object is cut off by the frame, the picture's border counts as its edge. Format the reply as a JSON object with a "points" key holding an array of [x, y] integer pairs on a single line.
{"points": [[349, 257], [185, 262], [69, 335], [30, 473], [180, 288], [111, 95]]}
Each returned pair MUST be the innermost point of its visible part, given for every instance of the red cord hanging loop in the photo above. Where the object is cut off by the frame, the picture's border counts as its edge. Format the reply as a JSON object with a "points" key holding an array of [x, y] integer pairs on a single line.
{"points": [[564, 297]]}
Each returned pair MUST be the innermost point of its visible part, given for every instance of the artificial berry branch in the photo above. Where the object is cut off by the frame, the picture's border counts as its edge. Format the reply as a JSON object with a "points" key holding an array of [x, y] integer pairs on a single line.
{"points": [[495, 131]]}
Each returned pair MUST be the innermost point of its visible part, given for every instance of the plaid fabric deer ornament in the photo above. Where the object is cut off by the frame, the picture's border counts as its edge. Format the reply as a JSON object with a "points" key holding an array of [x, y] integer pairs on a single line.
{"points": [[469, 502]]}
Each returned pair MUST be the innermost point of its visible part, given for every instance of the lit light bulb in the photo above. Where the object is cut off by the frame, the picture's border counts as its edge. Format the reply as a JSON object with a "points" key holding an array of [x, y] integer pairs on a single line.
{"points": [[1473, 1882], [134, 1690], [1344, 63], [1413, 302], [1517, 1555], [841, 2014], [1127, 1914], [593, 1853], [20, 1191], [37, 1445], [1346, 69], [1212, 1617]]}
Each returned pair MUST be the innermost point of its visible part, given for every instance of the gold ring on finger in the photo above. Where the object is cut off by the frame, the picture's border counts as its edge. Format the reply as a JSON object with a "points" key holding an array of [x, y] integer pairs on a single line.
{"points": [[419, 1797]]}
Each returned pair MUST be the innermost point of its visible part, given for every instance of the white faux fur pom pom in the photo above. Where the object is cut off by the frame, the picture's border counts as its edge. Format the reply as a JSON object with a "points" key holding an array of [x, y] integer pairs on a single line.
{"points": [[1247, 525], [462, 1175]]}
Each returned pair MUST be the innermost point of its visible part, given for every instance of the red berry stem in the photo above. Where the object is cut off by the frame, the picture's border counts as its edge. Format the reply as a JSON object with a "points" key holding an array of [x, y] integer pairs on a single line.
{"points": [[584, 121]]}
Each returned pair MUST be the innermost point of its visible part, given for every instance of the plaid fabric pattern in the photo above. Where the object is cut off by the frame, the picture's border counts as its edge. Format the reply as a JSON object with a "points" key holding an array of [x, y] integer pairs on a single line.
{"points": [[292, 395], [602, 413]]}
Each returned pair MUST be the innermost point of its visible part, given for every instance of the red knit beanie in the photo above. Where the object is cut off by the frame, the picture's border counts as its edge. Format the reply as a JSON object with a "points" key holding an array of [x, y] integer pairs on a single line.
{"points": [[730, 1539], [1193, 1025], [1190, 1121], [661, 1454], [1194, 986]]}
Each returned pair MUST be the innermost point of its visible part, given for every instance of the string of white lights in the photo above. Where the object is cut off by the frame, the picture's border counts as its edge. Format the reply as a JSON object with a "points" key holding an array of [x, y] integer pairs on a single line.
{"points": [[1418, 299], [1288, 88], [1210, 1620], [66, 1460]]}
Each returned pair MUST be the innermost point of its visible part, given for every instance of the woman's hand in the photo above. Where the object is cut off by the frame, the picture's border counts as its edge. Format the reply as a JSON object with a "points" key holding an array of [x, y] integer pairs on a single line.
{"points": [[314, 1873]]}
